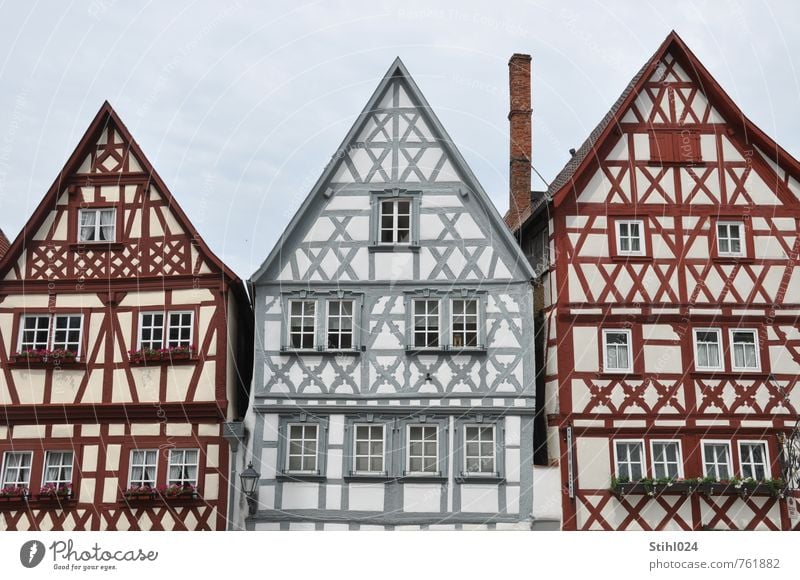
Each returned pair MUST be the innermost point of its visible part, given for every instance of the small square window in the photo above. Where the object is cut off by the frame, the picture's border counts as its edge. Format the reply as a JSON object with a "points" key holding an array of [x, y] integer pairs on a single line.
{"points": [[58, 468], [630, 238], [617, 349], [754, 460], [730, 239], [183, 464], [369, 449], [707, 348], [17, 469], [717, 460], [97, 225], [303, 447], [143, 468], [744, 350], [630, 460], [423, 449]]}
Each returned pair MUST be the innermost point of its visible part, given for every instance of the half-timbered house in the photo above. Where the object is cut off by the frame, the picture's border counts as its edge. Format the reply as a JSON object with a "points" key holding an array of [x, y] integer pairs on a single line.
{"points": [[118, 330], [393, 383], [668, 304]]}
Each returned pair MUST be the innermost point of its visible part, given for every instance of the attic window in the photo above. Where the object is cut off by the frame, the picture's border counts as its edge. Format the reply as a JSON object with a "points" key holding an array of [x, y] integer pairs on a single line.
{"points": [[675, 147], [97, 225]]}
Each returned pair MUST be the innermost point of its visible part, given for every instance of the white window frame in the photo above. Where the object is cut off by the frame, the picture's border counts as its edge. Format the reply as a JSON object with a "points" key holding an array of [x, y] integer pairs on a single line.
{"points": [[642, 241], [51, 329], [427, 317], [97, 227], [339, 301], [478, 323], [495, 470], [17, 483], [727, 224], [165, 326], [408, 471], [395, 201], [131, 466], [289, 317], [168, 322], [183, 464], [627, 332], [47, 456], [703, 443], [369, 455], [654, 442], [317, 430], [767, 463], [643, 461], [754, 332], [721, 356]]}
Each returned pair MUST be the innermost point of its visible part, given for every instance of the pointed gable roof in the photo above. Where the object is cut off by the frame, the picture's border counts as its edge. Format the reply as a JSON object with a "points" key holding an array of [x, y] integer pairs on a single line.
{"points": [[132, 159], [587, 154], [398, 71]]}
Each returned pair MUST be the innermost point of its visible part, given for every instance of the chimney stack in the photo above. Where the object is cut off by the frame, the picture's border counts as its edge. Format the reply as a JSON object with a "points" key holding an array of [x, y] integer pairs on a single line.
{"points": [[519, 117]]}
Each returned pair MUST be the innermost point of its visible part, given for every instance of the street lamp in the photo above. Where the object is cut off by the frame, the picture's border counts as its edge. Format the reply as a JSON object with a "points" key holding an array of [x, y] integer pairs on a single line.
{"points": [[249, 478]]}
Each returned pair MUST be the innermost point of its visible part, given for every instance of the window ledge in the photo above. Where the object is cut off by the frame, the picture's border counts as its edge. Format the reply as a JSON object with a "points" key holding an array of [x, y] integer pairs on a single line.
{"points": [[394, 247], [712, 374], [323, 352], [289, 476], [367, 478], [489, 478], [157, 498], [619, 375], [97, 246], [422, 478], [446, 350], [732, 260]]}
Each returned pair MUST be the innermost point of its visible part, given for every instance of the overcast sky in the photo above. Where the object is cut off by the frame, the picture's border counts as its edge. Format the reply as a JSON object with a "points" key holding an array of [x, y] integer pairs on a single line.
{"points": [[239, 106]]}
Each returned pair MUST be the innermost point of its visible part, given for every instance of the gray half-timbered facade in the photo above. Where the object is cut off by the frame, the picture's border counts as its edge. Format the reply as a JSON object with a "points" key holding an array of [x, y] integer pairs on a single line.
{"points": [[394, 369]]}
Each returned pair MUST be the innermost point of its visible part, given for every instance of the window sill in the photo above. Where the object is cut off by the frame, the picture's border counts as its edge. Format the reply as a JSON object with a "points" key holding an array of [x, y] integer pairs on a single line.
{"points": [[446, 350], [422, 478], [619, 375], [157, 498], [394, 248], [624, 258], [477, 478], [22, 502], [732, 260], [24, 363], [328, 351], [712, 374], [289, 476], [97, 246], [367, 478]]}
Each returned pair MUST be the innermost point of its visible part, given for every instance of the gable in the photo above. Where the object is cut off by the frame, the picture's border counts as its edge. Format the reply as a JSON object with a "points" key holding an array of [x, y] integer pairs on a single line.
{"points": [[674, 136], [145, 232], [397, 149]]}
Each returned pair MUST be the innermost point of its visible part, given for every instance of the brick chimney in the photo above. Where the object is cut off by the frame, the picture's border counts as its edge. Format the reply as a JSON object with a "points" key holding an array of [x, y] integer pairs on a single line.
{"points": [[519, 118]]}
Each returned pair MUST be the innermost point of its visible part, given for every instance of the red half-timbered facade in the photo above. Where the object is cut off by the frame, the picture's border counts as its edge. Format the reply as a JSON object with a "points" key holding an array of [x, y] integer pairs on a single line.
{"points": [[668, 302], [119, 338]]}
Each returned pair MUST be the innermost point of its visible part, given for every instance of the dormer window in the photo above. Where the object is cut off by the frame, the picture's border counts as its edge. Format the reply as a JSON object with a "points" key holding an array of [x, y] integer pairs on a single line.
{"points": [[97, 225]]}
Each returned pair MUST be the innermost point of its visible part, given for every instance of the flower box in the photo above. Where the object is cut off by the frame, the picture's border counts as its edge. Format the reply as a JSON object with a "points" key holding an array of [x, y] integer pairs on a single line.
{"points": [[13, 494], [44, 357], [162, 355], [178, 492], [53, 492]]}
